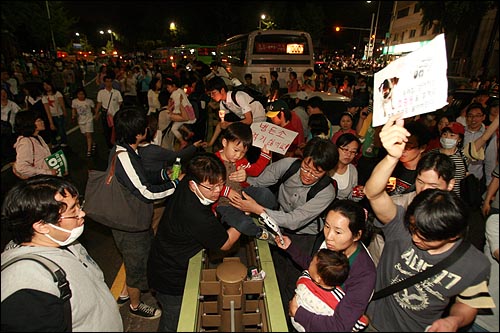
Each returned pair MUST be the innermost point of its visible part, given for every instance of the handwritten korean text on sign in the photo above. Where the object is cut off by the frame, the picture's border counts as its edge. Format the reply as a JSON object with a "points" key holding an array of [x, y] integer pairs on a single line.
{"points": [[276, 138]]}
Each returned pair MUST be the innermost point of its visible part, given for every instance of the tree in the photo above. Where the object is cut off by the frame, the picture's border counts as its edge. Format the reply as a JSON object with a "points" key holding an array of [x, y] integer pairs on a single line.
{"points": [[28, 22], [453, 16], [459, 20]]}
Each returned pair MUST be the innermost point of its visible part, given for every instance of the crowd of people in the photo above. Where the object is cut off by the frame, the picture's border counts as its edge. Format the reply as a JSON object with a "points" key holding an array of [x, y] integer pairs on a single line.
{"points": [[359, 208]]}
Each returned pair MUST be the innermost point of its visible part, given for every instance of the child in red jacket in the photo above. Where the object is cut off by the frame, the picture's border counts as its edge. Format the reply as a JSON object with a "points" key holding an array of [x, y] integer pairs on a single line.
{"points": [[235, 142]]}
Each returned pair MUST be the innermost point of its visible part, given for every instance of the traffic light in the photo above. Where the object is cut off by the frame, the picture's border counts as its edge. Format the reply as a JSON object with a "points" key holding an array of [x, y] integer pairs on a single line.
{"points": [[337, 29]]}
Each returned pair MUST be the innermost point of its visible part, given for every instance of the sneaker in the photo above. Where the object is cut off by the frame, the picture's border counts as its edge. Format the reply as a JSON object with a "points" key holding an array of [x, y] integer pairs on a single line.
{"points": [[122, 299], [64, 145], [93, 147], [146, 311], [89, 154]]}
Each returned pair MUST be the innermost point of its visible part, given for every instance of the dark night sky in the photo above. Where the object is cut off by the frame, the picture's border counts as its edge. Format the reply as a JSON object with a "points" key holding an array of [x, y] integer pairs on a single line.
{"points": [[213, 21]]}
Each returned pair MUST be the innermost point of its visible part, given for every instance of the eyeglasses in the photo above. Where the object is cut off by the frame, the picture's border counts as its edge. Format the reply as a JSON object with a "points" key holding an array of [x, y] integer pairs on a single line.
{"points": [[347, 151], [215, 188], [314, 174], [78, 215]]}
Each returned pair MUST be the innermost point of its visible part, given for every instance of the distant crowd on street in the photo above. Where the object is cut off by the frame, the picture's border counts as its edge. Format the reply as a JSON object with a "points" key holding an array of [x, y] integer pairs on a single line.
{"points": [[349, 210]]}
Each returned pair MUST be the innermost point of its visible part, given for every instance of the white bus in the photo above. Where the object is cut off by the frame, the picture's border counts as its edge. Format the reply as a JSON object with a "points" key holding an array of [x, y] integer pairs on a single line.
{"points": [[262, 51]]}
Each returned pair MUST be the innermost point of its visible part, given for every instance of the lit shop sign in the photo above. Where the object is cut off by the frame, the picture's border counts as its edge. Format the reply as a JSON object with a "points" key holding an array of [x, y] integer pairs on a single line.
{"points": [[404, 48]]}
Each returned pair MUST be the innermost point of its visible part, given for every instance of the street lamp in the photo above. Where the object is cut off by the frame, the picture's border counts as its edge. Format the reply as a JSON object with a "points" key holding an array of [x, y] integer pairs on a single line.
{"points": [[375, 30], [262, 18], [111, 36], [113, 44]]}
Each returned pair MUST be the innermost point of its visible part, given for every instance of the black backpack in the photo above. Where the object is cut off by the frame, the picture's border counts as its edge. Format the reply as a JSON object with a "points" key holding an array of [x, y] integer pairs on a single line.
{"points": [[255, 94], [315, 189]]}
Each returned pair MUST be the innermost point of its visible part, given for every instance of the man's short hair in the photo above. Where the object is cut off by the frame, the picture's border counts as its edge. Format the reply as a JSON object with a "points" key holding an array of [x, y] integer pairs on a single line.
{"points": [[129, 122], [33, 200], [206, 167], [437, 215], [216, 83], [475, 106], [315, 102], [419, 131], [323, 152], [441, 163]]}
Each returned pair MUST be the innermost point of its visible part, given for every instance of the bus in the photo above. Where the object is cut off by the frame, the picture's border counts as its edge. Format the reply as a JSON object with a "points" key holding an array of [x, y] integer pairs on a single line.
{"points": [[203, 53], [262, 51], [164, 57]]}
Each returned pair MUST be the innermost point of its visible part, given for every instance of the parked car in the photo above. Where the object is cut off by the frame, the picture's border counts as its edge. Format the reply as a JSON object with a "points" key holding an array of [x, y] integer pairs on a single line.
{"points": [[333, 104]]}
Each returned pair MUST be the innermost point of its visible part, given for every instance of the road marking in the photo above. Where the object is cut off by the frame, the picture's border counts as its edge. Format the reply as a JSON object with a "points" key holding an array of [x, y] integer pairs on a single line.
{"points": [[118, 283]]}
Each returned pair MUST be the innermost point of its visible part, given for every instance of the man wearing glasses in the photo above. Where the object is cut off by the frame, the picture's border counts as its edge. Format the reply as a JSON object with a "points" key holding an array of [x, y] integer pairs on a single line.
{"points": [[292, 212], [45, 218]]}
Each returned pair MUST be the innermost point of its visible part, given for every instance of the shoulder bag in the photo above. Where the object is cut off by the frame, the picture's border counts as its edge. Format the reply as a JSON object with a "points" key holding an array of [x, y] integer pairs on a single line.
{"points": [[421, 276], [110, 203], [59, 276]]}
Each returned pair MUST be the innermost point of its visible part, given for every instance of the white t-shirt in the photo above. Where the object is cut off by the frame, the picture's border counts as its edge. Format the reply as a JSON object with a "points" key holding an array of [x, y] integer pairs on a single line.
{"points": [[13, 108], [83, 109], [53, 102], [112, 98]]}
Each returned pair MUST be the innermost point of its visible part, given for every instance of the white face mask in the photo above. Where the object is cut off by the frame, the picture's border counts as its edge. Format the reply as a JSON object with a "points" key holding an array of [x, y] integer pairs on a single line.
{"points": [[204, 201], [74, 234], [448, 143]]}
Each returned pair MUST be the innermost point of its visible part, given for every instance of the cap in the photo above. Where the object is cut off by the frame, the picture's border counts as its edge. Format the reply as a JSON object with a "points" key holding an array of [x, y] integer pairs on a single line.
{"points": [[456, 128], [276, 107], [302, 95]]}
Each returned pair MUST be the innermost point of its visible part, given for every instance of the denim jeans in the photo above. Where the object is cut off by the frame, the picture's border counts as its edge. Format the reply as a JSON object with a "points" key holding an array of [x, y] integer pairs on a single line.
{"points": [[244, 223], [171, 310], [60, 123]]}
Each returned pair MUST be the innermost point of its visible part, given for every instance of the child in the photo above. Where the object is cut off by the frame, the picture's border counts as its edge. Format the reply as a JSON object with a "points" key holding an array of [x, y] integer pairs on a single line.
{"points": [[82, 108], [236, 140], [318, 289]]}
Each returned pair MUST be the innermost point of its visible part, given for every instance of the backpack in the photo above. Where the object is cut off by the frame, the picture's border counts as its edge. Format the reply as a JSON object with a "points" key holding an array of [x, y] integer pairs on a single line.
{"points": [[255, 94], [59, 276], [315, 189]]}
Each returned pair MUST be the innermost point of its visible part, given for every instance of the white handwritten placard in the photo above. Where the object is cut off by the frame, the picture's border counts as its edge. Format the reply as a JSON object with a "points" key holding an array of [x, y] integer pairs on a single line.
{"points": [[413, 84], [276, 138]]}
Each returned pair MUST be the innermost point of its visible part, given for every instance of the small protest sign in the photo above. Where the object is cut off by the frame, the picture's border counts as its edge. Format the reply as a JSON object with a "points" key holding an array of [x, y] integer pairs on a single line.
{"points": [[413, 84], [58, 162], [276, 138]]}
